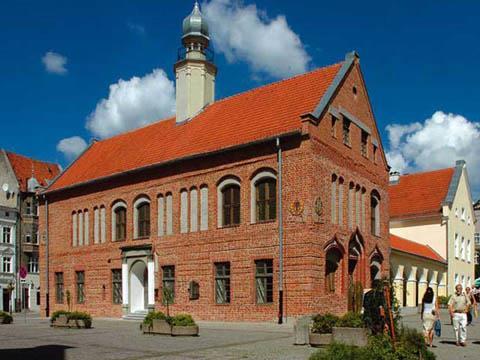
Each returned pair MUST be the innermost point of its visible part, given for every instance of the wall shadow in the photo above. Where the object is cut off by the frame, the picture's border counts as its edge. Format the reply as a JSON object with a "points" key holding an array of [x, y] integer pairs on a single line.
{"points": [[50, 352]]}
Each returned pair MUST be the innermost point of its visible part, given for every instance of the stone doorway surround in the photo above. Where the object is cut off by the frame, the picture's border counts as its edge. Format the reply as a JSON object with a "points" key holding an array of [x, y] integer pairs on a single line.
{"points": [[131, 255]]}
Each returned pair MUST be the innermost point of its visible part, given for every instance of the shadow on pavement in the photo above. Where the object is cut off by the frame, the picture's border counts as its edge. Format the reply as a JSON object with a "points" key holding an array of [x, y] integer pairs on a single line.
{"points": [[50, 352], [448, 342]]}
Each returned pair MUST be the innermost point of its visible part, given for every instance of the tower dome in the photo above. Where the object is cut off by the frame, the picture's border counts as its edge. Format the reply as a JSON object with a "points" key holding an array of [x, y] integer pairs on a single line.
{"points": [[195, 24]]}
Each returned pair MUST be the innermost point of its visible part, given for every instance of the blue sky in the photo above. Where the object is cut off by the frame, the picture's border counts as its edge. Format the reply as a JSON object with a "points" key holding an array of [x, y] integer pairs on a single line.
{"points": [[420, 61]]}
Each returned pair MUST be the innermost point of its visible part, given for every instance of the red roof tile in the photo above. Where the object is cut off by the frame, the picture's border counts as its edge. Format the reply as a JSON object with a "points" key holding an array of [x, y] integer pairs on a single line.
{"points": [[257, 114], [411, 247], [419, 194], [23, 167]]}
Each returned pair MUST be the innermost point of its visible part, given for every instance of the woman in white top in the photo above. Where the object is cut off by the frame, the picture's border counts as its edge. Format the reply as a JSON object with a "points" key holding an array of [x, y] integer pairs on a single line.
{"points": [[429, 314]]}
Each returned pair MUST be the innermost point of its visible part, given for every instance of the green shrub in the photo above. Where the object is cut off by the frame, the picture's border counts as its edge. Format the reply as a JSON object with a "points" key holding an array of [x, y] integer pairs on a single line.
{"points": [[408, 347], [183, 320], [6, 317], [57, 313], [443, 300], [154, 315], [323, 324], [352, 320], [338, 351], [78, 315]]}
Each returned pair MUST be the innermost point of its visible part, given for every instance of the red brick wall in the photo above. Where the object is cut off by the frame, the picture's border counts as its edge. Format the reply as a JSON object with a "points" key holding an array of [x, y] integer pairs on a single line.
{"points": [[308, 166]]}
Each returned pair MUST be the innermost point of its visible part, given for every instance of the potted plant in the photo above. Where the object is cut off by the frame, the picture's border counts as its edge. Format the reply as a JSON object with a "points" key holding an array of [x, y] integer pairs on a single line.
{"points": [[443, 301], [5, 318], [184, 325], [350, 329], [322, 327], [156, 322]]}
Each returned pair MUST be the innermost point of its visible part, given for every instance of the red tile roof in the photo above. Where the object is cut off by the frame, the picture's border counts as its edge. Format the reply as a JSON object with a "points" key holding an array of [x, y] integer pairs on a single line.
{"points": [[411, 247], [254, 115], [23, 167], [419, 194]]}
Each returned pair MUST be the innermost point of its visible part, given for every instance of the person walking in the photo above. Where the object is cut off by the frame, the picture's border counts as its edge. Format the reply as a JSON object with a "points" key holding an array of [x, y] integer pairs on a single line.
{"points": [[429, 314], [458, 305], [473, 305]]}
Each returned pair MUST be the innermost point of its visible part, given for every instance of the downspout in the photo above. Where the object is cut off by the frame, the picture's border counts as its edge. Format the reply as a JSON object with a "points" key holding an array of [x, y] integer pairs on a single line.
{"points": [[47, 262], [280, 234]]}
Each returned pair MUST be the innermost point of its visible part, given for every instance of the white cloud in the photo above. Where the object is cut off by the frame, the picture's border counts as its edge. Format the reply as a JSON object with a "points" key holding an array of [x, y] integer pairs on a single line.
{"points": [[244, 33], [54, 63], [436, 143], [136, 28], [71, 147], [133, 103]]}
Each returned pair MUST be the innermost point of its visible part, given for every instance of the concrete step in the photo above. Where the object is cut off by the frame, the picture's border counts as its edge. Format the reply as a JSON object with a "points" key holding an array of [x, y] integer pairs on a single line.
{"points": [[137, 316]]}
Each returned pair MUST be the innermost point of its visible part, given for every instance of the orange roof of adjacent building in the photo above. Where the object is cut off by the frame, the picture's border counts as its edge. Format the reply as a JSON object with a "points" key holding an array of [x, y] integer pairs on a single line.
{"points": [[251, 116], [419, 194], [411, 247], [24, 168]]}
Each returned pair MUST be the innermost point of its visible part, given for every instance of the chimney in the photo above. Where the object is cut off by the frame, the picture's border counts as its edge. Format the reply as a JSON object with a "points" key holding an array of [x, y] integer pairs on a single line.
{"points": [[195, 71], [394, 177]]}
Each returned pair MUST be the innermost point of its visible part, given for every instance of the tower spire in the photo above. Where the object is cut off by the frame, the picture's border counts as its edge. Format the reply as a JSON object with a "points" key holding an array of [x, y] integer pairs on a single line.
{"points": [[195, 71]]}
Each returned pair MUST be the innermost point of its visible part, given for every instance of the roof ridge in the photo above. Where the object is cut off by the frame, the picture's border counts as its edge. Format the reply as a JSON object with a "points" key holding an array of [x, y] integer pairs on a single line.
{"points": [[427, 171], [278, 82], [155, 122]]}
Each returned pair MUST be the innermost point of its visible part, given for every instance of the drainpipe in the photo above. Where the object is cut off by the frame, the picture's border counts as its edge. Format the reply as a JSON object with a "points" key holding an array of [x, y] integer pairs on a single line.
{"points": [[47, 263], [280, 234]]}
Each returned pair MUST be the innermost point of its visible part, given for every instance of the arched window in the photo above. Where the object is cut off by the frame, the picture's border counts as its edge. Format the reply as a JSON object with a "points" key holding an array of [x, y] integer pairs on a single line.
{"points": [[228, 197], [375, 213], [263, 197], [231, 205], [332, 265], [142, 218], [119, 221]]}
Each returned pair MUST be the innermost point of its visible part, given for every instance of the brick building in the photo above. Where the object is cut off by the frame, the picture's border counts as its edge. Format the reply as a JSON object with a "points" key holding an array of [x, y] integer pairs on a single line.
{"points": [[203, 202]]}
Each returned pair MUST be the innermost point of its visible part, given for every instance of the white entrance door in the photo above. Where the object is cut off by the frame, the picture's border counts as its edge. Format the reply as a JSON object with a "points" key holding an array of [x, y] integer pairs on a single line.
{"points": [[138, 286]]}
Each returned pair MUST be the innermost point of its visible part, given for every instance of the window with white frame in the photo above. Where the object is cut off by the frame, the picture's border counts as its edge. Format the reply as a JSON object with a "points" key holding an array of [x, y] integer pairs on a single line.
{"points": [[203, 207], [193, 209], [184, 211], [169, 211], [96, 225], [7, 264], [463, 214], [7, 235], [456, 279], [32, 264], [263, 197], [103, 224], [141, 214], [462, 250], [86, 234], [457, 246], [456, 212], [28, 238], [119, 221], [228, 203]]}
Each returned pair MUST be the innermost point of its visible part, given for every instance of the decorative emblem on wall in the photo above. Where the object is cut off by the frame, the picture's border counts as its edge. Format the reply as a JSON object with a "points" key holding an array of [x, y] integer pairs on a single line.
{"points": [[318, 207], [296, 208]]}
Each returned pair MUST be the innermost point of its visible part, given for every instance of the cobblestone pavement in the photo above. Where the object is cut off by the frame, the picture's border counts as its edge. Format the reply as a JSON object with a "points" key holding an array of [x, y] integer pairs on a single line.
{"points": [[118, 339], [445, 348], [33, 338]]}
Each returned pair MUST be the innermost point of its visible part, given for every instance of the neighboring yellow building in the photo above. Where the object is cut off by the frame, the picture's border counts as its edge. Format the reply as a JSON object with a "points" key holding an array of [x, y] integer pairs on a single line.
{"points": [[432, 223]]}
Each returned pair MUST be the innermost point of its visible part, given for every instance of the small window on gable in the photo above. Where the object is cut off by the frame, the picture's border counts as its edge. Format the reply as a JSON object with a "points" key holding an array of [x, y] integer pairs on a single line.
{"points": [[375, 150], [364, 144], [346, 131]]}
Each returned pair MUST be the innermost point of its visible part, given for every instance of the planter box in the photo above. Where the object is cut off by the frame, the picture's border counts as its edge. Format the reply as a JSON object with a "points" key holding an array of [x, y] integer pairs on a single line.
{"points": [[185, 330], [63, 322], [60, 321], [319, 339], [158, 326], [350, 336]]}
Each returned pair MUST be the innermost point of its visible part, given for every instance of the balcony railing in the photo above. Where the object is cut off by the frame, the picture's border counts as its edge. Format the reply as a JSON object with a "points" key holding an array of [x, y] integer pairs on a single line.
{"points": [[182, 53]]}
